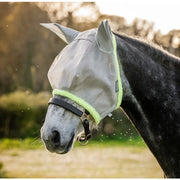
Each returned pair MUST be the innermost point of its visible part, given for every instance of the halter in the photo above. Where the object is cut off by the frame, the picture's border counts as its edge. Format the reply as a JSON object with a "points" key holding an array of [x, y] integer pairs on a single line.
{"points": [[83, 115]]}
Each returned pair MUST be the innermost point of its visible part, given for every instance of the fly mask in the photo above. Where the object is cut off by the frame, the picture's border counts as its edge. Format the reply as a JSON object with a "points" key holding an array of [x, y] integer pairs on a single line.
{"points": [[87, 72]]}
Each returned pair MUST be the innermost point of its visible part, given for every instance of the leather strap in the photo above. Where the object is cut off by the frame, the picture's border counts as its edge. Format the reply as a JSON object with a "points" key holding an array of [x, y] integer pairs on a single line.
{"points": [[64, 104]]}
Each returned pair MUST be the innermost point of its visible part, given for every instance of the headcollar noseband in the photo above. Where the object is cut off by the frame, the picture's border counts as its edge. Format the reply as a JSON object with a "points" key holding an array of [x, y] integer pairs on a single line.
{"points": [[83, 115]]}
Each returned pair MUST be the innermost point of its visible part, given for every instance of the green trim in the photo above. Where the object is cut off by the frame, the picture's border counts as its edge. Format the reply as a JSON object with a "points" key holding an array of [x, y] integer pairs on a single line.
{"points": [[120, 93], [86, 105], [79, 101]]}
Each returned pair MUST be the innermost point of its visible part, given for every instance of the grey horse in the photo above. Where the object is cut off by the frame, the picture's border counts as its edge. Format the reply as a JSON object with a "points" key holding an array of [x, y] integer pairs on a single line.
{"points": [[147, 87]]}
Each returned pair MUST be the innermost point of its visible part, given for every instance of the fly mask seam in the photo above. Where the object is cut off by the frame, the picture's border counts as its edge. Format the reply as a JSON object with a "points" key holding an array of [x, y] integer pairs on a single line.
{"points": [[120, 93]]}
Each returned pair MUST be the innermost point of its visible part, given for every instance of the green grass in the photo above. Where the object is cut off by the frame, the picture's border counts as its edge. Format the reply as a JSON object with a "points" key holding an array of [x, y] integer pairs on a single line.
{"points": [[2, 172], [109, 159], [115, 142], [30, 143]]}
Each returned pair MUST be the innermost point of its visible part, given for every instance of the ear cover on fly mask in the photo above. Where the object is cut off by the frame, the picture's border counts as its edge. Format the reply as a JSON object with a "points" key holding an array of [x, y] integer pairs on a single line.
{"points": [[104, 37], [66, 34], [86, 70]]}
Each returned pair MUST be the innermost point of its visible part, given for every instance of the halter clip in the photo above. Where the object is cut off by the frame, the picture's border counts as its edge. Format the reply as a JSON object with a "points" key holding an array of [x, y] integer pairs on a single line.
{"points": [[83, 138]]}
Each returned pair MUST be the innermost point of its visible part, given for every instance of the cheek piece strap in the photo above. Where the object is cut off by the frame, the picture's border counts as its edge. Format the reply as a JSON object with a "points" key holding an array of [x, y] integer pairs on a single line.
{"points": [[84, 116]]}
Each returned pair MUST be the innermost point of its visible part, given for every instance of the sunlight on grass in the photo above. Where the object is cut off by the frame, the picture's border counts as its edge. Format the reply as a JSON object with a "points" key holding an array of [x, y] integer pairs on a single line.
{"points": [[27, 158], [96, 160], [31, 143], [28, 143]]}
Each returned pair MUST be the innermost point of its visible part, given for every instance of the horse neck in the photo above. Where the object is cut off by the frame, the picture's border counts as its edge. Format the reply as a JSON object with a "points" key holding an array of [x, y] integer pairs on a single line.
{"points": [[151, 82]]}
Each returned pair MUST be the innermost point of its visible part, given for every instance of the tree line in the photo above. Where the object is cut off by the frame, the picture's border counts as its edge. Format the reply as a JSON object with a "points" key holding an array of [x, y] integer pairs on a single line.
{"points": [[27, 51]]}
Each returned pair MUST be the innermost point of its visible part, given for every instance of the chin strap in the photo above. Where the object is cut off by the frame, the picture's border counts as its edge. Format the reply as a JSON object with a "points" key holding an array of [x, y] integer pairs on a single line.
{"points": [[84, 116]]}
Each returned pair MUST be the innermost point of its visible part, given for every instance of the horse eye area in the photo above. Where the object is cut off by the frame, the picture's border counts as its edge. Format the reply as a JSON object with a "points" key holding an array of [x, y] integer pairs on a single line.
{"points": [[56, 138]]}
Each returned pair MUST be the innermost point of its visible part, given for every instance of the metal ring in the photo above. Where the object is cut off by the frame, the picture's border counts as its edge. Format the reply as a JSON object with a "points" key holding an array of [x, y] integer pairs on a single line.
{"points": [[82, 142]]}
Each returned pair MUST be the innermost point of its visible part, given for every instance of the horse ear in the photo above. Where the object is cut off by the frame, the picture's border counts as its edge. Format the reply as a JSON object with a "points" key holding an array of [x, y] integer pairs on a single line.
{"points": [[104, 37], [66, 34]]}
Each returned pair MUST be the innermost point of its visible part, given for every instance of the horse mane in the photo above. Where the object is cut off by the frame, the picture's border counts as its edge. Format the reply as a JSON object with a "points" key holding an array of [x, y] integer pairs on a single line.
{"points": [[151, 49]]}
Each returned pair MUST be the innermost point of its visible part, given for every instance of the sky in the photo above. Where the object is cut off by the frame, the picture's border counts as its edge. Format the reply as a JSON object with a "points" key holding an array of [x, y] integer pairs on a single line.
{"points": [[165, 13]]}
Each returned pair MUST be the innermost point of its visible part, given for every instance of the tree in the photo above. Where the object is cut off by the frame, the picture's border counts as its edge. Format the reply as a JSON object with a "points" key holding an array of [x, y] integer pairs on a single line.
{"points": [[24, 47]]}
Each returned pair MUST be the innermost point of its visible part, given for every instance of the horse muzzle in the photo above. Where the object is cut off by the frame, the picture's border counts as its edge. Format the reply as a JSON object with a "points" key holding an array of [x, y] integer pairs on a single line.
{"points": [[84, 116], [54, 143]]}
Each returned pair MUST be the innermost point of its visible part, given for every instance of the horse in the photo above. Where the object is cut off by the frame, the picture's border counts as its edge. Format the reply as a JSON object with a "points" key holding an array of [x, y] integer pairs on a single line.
{"points": [[147, 88]]}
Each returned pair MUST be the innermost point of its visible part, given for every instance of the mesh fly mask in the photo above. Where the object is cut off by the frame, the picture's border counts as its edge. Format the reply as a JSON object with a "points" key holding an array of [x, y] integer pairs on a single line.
{"points": [[87, 72]]}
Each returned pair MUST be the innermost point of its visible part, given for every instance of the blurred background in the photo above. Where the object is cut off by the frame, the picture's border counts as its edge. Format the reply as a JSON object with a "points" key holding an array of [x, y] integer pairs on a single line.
{"points": [[26, 53]]}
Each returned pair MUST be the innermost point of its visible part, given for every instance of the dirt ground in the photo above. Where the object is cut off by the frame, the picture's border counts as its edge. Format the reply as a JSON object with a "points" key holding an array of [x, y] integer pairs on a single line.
{"points": [[82, 162]]}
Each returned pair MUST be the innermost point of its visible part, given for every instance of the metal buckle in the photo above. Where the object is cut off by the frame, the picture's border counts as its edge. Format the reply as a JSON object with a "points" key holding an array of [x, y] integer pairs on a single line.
{"points": [[84, 116]]}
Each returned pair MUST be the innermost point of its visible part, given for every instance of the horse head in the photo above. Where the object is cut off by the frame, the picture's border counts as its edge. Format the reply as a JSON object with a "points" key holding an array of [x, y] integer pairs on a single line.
{"points": [[86, 83], [84, 77]]}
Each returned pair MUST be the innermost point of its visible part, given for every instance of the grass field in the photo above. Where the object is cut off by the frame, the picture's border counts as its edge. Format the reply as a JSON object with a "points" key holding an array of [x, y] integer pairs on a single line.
{"points": [[29, 159]]}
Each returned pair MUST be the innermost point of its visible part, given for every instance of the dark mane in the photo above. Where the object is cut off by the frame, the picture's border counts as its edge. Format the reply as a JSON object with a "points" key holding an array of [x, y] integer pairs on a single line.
{"points": [[151, 49]]}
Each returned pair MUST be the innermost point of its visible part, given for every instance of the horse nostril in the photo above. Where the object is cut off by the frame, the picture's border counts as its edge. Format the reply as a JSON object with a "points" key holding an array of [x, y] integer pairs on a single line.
{"points": [[55, 138]]}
